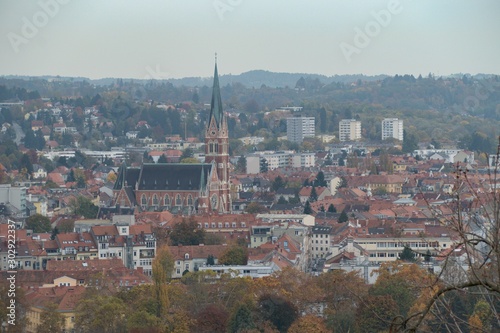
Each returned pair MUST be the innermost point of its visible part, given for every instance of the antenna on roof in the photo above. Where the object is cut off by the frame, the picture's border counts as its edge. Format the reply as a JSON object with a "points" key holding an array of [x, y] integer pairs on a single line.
{"points": [[216, 58]]}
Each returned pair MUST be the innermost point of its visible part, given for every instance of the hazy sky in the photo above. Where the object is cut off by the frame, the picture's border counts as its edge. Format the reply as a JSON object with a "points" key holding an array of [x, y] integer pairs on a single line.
{"points": [[178, 38]]}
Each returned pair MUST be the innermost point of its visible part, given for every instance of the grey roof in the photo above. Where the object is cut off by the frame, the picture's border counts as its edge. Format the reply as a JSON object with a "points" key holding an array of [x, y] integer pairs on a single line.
{"points": [[173, 176], [216, 103]]}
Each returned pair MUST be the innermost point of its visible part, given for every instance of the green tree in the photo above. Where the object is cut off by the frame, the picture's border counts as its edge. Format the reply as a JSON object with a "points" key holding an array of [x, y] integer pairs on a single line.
{"points": [[282, 200], [241, 320], [83, 206], [241, 164], [162, 159], [410, 141], [407, 254], [313, 197], [264, 167], [320, 179], [50, 320], [38, 223], [234, 255], [187, 232], [278, 310], [343, 217], [332, 209], [278, 183], [307, 208]]}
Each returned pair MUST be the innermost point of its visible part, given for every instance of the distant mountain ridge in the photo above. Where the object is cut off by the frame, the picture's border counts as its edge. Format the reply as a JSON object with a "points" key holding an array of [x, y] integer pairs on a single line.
{"points": [[253, 78]]}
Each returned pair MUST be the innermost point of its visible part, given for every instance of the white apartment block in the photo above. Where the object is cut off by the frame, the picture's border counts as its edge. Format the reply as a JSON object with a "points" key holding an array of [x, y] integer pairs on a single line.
{"points": [[281, 159], [349, 130], [392, 128], [298, 128]]}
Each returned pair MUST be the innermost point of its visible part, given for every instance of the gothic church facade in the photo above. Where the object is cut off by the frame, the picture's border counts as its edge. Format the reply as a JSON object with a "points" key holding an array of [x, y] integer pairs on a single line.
{"points": [[183, 188]]}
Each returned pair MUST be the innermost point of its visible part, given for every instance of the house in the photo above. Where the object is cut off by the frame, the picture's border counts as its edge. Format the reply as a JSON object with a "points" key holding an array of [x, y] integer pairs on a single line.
{"points": [[321, 192], [63, 298], [192, 258], [38, 172]]}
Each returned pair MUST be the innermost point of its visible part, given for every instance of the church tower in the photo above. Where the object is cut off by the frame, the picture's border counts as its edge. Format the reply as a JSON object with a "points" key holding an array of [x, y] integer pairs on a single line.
{"points": [[217, 149]]}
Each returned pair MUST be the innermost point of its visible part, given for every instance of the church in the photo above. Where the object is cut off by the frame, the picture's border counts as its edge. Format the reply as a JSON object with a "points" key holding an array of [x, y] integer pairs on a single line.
{"points": [[183, 188]]}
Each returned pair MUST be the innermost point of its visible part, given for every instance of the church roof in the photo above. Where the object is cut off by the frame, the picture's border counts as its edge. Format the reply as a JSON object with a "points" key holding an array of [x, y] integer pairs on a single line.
{"points": [[126, 177], [216, 103], [173, 176]]}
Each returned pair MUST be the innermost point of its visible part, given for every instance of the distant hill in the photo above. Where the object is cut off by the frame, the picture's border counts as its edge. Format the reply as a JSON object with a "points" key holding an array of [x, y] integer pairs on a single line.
{"points": [[251, 79]]}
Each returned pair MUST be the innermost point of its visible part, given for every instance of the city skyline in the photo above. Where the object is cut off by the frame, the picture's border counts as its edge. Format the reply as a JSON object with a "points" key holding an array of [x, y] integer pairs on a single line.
{"points": [[175, 39]]}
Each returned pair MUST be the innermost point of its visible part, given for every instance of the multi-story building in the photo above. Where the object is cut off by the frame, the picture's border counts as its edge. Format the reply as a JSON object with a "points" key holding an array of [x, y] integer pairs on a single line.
{"points": [[298, 128], [349, 130], [280, 159], [16, 196], [135, 245], [392, 128]]}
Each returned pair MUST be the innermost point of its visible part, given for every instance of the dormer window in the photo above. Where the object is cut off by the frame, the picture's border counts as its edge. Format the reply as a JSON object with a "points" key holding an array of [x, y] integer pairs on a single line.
{"points": [[186, 256]]}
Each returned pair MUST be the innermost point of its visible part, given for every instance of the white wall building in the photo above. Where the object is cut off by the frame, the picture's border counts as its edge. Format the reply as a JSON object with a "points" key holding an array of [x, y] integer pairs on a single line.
{"points": [[349, 130], [392, 128], [298, 128]]}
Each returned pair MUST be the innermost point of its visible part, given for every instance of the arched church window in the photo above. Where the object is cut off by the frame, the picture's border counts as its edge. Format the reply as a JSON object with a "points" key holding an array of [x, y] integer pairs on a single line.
{"points": [[190, 200], [155, 200], [144, 201], [166, 200], [178, 200]]}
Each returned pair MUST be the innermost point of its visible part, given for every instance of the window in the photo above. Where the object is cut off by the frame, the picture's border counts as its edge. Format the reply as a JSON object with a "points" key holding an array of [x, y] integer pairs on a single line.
{"points": [[124, 230], [206, 225], [190, 200], [166, 200], [186, 256], [178, 200], [178, 271], [155, 200], [187, 267], [243, 224], [220, 225], [144, 201]]}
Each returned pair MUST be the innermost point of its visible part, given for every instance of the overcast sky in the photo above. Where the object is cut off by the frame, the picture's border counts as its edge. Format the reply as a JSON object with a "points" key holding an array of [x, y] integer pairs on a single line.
{"points": [[178, 38]]}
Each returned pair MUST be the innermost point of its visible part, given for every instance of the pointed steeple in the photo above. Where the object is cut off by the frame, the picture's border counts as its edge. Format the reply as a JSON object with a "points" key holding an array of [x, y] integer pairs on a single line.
{"points": [[202, 182], [216, 103]]}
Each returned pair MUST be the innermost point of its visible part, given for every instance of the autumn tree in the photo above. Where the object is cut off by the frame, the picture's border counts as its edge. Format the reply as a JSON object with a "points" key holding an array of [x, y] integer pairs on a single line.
{"points": [[163, 265], [475, 226], [100, 313], [308, 323], [234, 255], [256, 208], [50, 320]]}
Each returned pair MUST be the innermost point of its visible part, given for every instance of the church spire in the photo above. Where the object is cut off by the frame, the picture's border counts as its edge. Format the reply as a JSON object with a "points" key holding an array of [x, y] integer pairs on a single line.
{"points": [[216, 104]]}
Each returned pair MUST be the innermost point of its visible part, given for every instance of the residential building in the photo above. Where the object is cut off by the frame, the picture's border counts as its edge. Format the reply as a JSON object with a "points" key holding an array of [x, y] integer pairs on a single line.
{"points": [[320, 241], [16, 196], [349, 130], [298, 128], [392, 128]]}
